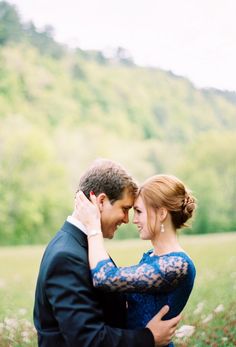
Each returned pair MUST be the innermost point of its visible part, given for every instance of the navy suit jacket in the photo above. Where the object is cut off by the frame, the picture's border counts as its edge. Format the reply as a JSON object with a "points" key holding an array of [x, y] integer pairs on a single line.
{"points": [[68, 311]]}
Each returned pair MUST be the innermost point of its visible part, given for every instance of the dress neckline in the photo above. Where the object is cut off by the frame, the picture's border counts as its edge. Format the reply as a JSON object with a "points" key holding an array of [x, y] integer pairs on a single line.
{"points": [[152, 254]]}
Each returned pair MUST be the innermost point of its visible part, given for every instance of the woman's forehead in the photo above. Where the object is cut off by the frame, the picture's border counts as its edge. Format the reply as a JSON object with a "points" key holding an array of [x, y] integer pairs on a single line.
{"points": [[138, 202]]}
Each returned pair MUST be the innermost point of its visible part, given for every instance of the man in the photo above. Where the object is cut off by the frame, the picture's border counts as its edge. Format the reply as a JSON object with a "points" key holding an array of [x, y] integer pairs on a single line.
{"points": [[68, 311]]}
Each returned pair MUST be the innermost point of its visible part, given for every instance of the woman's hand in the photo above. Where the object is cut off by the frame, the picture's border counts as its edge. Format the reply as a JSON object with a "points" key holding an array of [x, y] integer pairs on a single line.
{"points": [[87, 212]]}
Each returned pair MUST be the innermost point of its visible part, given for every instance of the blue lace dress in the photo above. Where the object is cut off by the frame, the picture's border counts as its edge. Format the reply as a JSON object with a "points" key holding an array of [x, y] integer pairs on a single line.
{"points": [[153, 283]]}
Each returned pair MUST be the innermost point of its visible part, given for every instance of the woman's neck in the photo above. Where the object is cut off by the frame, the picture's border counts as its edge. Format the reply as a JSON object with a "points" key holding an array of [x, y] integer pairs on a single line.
{"points": [[166, 242]]}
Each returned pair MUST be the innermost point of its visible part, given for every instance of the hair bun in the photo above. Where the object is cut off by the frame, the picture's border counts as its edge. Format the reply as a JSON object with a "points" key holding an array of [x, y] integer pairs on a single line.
{"points": [[189, 205]]}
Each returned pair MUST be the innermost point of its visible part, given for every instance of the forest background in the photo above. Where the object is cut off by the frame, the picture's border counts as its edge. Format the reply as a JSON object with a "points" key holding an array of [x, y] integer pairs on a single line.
{"points": [[62, 108]]}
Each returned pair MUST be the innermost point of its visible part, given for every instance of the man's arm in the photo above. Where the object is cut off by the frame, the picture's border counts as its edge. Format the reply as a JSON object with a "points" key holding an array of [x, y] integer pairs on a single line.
{"points": [[69, 290]]}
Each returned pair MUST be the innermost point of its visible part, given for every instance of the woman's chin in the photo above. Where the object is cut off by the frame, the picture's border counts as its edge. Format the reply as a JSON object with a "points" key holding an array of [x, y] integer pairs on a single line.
{"points": [[143, 237]]}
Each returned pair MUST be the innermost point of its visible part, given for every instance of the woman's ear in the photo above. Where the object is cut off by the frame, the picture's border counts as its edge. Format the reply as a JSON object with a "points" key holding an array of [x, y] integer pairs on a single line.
{"points": [[163, 213]]}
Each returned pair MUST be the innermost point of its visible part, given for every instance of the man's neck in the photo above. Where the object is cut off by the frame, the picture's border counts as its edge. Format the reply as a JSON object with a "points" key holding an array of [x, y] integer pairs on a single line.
{"points": [[74, 221]]}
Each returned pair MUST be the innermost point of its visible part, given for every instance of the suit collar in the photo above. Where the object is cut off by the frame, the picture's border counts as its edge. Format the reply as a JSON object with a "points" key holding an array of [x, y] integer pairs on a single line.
{"points": [[78, 234]]}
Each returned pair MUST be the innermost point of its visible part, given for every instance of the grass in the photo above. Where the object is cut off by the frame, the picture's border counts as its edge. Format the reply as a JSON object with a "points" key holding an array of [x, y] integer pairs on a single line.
{"points": [[214, 256]]}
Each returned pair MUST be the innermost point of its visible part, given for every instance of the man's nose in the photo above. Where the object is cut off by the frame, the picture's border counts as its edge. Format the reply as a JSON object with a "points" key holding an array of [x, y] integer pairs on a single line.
{"points": [[126, 218]]}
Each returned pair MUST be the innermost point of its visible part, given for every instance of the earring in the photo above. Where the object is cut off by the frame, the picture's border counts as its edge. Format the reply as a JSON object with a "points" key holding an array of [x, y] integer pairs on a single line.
{"points": [[162, 228]]}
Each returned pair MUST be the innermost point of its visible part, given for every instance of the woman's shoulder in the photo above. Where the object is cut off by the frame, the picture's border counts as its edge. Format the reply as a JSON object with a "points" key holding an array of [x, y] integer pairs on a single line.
{"points": [[174, 260], [174, 256]]}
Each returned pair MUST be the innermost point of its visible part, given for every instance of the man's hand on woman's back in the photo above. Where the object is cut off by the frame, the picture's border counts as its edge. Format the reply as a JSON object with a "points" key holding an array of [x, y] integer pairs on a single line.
{"points": [[163, 330]]}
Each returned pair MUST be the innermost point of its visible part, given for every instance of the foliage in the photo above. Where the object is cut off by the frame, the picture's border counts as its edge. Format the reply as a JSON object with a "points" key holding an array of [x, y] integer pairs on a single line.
{"points": [[10, 24], [13, 30], [31, 203], [212, 174], [60, 109]]}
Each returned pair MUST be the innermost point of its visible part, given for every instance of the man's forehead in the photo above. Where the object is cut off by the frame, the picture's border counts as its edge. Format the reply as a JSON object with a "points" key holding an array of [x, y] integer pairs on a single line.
{"points": [[127, 200]]}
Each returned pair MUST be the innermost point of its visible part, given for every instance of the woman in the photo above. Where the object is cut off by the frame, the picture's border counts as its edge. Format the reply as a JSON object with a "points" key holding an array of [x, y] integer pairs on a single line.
{"points": [[165, 274]]}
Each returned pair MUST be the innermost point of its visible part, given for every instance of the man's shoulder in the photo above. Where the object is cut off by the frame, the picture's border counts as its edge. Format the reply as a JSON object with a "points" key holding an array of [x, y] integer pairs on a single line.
{"points": [[63, 245], [68, 235]]}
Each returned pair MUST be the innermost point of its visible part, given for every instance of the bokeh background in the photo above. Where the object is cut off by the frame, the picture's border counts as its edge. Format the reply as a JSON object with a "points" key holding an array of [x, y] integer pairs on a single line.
{"points": [[149, 85], [61, 107]]}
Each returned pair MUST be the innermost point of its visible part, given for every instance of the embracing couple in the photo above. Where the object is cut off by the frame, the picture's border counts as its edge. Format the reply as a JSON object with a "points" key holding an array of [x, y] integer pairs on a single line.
{"points": [[82, 298]]}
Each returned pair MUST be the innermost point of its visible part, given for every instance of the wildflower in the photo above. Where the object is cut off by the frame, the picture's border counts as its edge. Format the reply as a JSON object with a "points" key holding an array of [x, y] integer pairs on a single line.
{"points": [[208, 318], [185, 331], [22, 311], [219, 308], [25, 336], [224, 339], [11, 323], [28, 324], [199, 308]]}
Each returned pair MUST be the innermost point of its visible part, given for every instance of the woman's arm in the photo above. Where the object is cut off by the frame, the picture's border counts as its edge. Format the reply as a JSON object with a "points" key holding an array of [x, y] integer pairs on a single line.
{"points": [[88, 213], [160, 275]]}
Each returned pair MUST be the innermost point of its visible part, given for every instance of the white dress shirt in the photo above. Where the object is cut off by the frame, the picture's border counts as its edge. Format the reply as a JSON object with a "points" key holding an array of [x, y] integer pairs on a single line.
{"points": [[77, 224]]}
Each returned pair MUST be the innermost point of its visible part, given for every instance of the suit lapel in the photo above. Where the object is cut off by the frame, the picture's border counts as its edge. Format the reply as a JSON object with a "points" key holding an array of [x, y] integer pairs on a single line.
{"points": [[78, 234]]}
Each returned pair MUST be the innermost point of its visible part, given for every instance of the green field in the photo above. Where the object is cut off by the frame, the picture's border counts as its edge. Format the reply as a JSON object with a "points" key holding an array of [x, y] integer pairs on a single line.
{"points": [[215, 287]]}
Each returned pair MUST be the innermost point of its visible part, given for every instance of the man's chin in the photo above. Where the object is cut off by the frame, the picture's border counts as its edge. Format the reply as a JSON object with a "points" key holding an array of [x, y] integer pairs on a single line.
{"points": [[111, 235], [108, 235]]}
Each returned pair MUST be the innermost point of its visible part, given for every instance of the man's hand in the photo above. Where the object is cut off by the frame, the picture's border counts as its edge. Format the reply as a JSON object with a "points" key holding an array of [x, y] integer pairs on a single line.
{"points": [[163, 330]]}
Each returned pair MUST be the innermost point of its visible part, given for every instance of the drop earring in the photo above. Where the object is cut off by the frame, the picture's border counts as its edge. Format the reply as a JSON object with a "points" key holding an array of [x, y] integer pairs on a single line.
{"points": [[162, 228]]}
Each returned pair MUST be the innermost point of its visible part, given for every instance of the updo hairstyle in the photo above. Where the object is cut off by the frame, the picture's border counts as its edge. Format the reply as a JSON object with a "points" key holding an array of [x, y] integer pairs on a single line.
{"points": [[169, 192]]}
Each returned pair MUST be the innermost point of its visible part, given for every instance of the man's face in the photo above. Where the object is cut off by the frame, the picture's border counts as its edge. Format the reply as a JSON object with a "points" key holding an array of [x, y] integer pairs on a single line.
{"points": [[113, 215]]}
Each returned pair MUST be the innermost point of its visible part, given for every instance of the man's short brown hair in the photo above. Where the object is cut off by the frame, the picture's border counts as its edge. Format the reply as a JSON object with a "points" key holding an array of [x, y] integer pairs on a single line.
{"points": [[109, 177]]}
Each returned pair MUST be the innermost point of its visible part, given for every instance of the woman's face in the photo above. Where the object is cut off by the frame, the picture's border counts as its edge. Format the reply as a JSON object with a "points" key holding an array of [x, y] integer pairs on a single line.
{"points": [[141, 220]]}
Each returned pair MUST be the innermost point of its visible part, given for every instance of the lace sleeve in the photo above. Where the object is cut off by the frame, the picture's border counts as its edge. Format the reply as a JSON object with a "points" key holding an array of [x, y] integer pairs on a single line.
{"points": [[161, 275]]}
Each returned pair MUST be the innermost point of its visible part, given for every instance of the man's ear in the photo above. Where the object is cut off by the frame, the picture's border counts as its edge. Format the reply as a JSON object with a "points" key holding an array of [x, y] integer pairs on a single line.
{"points": [[100, 200]]}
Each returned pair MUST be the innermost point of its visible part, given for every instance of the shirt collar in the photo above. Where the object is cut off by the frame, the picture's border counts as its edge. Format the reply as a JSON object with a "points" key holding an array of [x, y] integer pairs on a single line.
{"points": [[77, 224]]}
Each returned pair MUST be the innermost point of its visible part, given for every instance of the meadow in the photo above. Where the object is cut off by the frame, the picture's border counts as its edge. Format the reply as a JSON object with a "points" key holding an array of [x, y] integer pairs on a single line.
{"points": [[209, 318]]}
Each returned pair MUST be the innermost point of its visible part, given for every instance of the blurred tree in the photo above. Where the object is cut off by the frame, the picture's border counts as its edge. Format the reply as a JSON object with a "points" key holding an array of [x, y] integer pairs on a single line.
{"points": [[33, 188], [10, 24], [44, 40], [60, 109], [210, 169]]}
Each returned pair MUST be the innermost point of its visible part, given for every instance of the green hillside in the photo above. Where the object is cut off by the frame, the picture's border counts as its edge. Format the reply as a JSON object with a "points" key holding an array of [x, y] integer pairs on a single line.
{"points": [[62, 108]]}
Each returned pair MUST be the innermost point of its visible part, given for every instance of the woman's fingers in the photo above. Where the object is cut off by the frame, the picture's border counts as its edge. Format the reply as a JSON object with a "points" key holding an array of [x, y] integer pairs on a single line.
{"points": [[93, 198], [83, 204], [81, 196]]}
